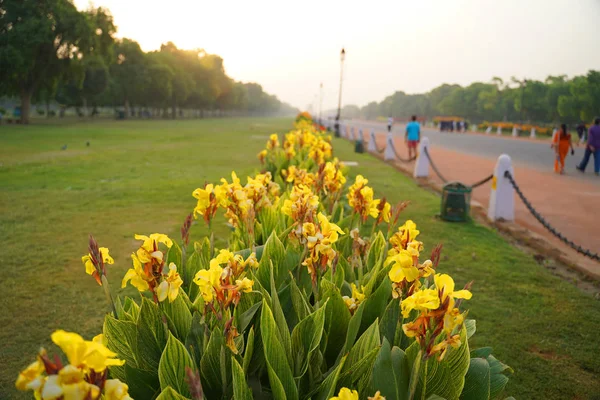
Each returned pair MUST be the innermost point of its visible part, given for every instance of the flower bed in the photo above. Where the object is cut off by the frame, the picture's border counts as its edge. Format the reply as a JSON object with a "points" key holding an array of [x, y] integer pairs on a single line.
{"points": [[508, 127], [322, 292]]}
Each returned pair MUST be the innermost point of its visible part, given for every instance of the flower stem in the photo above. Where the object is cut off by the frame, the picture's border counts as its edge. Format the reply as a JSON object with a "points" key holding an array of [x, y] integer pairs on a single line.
{"points": [[108, 295]]}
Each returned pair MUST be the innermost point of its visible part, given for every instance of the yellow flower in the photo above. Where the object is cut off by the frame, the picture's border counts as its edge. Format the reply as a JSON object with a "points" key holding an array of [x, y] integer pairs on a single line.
{"points": [[426, 269], [136, 275], [114, 389], [262, 156], [452, 319], [421, 300], [328, 229], [30, 377], [149, 249], [377, 396], [83, 353], [89, 265], [346, 394], [445, 285], [273, 142], [357, 297], [208, 281], [442, 347], [403, 266], [68, 385], [385, 214], [170, 285], [409, 231], [244, 285]]}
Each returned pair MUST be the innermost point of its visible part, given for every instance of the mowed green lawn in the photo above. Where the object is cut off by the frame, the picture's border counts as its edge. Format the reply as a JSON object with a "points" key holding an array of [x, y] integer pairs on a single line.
{"points": [[137, 177]]}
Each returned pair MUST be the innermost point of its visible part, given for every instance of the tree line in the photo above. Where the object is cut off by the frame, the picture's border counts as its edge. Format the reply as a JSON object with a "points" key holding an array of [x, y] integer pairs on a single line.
{"points": [[556, 99], [52, 52]]}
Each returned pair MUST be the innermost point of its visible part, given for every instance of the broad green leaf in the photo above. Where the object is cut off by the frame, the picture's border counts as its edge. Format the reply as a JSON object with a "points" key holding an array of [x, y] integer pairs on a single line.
{"points": [[131, 308], [477, 381], [375, 304], [471, 327], [241, 391], [353, 327], [305, 339], [243, 321], [171, 370], [368, 341], [194, 342], [210, 365], [142, 384], [389, 321], [151, 336], [169, 393], [375, 253], [249, 350], [280, 373], [121, 338], [445, 378], [482, 352], [326, 389], [180, 316], [282, 326], [391, 372], [337, 318], [360, 372], [498, 379], [174, 256], [299, 300], [274, 253]]}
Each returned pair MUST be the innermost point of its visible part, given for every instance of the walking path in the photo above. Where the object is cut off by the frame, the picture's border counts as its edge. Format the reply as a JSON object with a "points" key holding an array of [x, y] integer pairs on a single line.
{"points": [[570, 205]]}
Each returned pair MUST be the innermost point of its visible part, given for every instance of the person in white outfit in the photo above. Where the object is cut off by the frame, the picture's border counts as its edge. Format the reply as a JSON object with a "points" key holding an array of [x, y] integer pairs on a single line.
{"points": [[390, 123]]}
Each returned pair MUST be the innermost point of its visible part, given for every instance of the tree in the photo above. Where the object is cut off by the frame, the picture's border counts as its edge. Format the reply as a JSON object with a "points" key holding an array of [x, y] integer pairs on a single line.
{"points": [[38, 39]]}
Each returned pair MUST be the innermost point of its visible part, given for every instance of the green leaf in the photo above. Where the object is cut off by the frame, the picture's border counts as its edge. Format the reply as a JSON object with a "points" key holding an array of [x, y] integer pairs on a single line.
{"points": [[121, 338], [367, 342], [180, 316], [243, 321], [279, 371], [151, 336], [391, 372], [299, 300], [241, 391], [131, 308], [375, 304], [477, 381], [326, 389], [171, 369], [375, 253], [210, 365], [446, 378], [282, 327], [142, 384], [249, 350], [337, 318], [174, 256], [195, 338], [169, 393], [274, 253], [389, 321], [353, 327], [305, 339], [471, 327]]}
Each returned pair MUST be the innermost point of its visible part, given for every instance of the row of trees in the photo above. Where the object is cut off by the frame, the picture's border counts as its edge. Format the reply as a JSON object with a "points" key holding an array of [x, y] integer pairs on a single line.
{"points": [[52, 52], [555, 99]]}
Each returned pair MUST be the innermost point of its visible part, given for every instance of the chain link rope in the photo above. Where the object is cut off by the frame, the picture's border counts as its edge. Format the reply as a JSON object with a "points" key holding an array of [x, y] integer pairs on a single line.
{"points": [[545, 223]]}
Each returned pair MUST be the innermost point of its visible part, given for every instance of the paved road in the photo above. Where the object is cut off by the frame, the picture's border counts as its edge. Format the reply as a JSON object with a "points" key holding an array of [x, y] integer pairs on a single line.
{"points": [[527, 153]]}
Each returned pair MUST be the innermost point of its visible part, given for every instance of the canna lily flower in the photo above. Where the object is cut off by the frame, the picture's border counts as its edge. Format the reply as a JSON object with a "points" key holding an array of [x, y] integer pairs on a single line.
{"points": [[30, 378], [452, 319], [273, 142], [421, 300], [68, 384], [83, 353], [445, 285], [262, 156], [208, 281], [137, 276], [426, 269], [244, 285], [170, 285], [403, 267], [346, 394], [377, 396], [442, 347], [357, 297], [114, 389], [90, 268], [149, 249], [329, 230]]}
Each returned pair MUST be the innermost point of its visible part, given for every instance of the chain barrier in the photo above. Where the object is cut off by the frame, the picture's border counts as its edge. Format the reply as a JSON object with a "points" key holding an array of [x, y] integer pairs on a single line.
{"points": [[481, 182], [545, 223], [433, 165], [398, 156]]}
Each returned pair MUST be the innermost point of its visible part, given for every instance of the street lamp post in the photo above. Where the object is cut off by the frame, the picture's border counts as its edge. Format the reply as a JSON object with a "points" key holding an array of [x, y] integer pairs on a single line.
{"points": [[339, 110]]}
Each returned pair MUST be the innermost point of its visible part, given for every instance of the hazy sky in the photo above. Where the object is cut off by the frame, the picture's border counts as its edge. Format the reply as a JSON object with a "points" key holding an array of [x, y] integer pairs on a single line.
{"points": [[291, 47]]}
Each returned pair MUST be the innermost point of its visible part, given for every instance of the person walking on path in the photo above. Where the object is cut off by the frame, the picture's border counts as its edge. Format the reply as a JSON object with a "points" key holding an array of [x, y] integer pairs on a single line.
{"points": [[412, 136], [581, 132], [592, 147], [390, 123], [562, 144]]}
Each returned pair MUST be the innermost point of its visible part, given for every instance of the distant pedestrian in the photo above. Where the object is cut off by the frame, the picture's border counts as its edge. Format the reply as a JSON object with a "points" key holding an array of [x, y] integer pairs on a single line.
{"points": [[592, 147], [561, 144], [390, 123], [581, 132], [412, 136]]}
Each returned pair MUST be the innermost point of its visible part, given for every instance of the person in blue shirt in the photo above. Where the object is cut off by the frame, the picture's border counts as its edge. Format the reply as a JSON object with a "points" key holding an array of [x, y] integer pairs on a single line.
{"points": [[412, 136]]}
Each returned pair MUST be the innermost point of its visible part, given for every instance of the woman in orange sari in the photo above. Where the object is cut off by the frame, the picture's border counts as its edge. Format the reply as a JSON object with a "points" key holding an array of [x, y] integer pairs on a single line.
{"points": [[561, 144]]}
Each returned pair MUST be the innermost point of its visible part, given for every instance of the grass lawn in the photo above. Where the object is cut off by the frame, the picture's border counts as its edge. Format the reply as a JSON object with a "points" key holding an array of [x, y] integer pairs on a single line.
{"points": [[137, 177]]}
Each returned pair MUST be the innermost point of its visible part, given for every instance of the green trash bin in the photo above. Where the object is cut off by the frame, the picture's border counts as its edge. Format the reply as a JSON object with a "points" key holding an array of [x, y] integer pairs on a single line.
{"points": [[359, 146], [456, 201]]}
